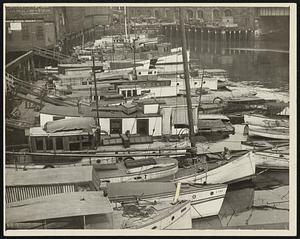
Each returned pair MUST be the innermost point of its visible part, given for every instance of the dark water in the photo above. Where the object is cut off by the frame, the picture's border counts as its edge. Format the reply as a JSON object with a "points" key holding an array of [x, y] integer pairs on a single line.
{"points": [[259, 204], [271, 69]]}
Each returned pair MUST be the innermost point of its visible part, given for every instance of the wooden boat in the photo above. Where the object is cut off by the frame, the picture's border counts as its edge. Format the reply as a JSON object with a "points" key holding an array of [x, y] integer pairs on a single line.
{"points": [[211, 169], [211, 125], [206, 200], [260, 120], [263, 144], [271, 160], [90, 210], [267, 132]]}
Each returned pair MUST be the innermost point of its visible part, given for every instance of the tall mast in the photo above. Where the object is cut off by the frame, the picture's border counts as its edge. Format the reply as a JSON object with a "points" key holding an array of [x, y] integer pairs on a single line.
{"points": [[125, 18], [186, 77], [96, 96]]}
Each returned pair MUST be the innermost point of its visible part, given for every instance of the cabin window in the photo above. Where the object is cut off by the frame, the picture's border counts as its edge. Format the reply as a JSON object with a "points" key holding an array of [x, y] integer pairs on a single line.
{"points": [[134, 92], [84, 83], [142, 126], [128, 93], [58, 117], [116, 126], [86, 141], [39, 143], [49, 143], [75, 146], [124, 93], [59, 143]]}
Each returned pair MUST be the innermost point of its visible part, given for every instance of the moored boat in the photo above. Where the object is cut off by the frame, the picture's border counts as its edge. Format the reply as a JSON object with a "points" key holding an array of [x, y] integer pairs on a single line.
{"points": [[261, 120], [268, 132], [91, 210], [206, 199]]}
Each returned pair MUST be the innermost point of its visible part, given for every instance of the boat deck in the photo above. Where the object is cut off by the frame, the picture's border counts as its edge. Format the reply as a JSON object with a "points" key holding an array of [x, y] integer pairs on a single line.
{"points": [[121, 170]]}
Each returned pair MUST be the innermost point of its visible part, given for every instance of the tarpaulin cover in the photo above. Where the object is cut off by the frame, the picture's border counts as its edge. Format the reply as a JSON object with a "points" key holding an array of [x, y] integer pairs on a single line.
{"points": [[84, 123]]}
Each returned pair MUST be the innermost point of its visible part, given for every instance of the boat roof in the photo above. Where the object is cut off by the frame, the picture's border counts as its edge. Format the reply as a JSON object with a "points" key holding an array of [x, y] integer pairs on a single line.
{"points": [[72, 111], [80, 65], [131, 189], [212, 117], [86, 124], [39, 132], [210, 124], [60, 205], [50, 176]]}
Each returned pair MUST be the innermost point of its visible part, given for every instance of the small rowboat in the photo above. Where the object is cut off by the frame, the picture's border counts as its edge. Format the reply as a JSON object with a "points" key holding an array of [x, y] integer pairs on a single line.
{"points": [[260, 120], [272, 133]]}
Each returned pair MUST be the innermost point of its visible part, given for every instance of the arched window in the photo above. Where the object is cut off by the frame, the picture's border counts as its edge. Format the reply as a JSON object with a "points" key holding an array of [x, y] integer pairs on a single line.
{"points": [[200, 14], [228, 13], [216, 14], [156, 14], [190, 14]]}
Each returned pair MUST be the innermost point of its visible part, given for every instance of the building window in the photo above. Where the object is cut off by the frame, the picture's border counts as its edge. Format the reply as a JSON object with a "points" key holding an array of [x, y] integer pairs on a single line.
{"points": [[58, 117], [124, 93], [25, 32], [134, 92], [142, 126], [116, 126], [75, 146], [128, 93], [156, 14], [200, 14], [216, 14], [39, 33], [228, 13], [190, 14]]}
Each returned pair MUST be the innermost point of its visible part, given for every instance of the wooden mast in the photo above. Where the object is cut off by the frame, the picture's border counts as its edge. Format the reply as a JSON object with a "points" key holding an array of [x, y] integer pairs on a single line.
{"points": [[186, 77], [96, 96]]}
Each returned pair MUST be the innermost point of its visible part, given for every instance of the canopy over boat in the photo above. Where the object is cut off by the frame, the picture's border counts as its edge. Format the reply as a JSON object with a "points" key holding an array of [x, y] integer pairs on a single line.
{"points": [[58, 206], [51, 176], [81, 123]]}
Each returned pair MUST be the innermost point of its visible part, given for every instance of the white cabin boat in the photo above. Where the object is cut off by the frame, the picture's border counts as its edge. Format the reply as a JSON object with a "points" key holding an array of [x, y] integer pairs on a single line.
{"points": [[90, 210], [206, 200], [233, 170]]}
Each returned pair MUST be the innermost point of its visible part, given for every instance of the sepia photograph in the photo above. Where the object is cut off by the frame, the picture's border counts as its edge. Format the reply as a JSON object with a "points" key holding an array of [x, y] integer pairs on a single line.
{"points": [[149, 119]]}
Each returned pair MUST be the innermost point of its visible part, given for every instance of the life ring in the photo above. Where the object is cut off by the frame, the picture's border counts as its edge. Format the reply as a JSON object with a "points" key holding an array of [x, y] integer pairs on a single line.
{"points": [[218, 98]]}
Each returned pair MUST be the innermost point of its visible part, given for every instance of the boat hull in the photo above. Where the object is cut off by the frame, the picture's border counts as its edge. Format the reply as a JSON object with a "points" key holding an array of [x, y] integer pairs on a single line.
{"points": [[272, 133], [206, 200], [271, 160], [234, 170], [263, 121]]}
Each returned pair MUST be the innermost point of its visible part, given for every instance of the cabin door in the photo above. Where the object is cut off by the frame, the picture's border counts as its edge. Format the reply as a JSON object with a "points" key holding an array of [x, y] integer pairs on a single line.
{"points": [[116, 126], [142, 126]]}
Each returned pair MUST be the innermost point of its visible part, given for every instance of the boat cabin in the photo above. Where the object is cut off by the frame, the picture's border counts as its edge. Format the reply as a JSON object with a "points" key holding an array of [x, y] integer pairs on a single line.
{"points": [[75, 210], [22, 185], [73, 140]]}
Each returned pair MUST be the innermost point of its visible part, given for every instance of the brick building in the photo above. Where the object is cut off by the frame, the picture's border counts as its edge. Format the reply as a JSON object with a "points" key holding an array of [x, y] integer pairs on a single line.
{"points": [[28, 27], [242, 16]]}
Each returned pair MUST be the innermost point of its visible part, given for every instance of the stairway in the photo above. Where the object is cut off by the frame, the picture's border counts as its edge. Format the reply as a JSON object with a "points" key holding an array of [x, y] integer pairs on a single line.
{"points": [[20, 86], [54, 55]]}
